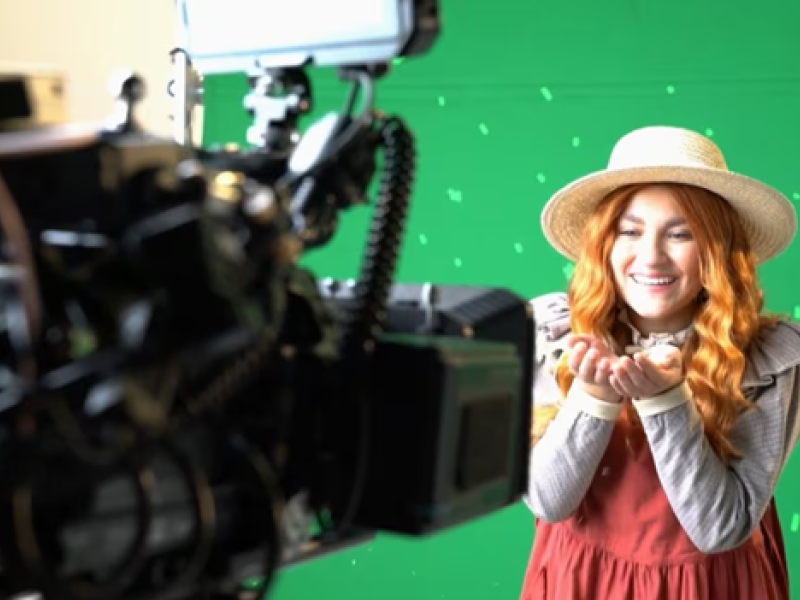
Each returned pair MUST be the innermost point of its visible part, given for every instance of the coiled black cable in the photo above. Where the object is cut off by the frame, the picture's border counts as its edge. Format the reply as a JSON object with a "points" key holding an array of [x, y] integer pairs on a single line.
{"points": [[365, 322]]}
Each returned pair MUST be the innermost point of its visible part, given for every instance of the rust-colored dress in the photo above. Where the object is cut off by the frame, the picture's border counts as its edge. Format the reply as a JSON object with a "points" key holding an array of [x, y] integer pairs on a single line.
{"points": [[624, 543]]}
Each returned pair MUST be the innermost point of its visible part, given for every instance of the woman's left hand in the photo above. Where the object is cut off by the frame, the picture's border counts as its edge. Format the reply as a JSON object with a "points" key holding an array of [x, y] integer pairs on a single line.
{"points": [[645, 377]]}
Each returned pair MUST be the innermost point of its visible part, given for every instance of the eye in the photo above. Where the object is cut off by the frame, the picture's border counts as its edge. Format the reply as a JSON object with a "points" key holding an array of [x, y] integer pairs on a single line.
{"points": [[627, 232], [681, 235]]}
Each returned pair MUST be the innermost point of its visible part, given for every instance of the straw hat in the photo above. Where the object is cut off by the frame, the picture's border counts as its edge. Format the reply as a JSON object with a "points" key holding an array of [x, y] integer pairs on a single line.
{"points": [[671, 154]]}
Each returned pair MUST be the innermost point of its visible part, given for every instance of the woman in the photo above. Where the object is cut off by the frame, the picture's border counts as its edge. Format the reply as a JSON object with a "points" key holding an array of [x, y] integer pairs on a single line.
{"points": [[666, 402]]}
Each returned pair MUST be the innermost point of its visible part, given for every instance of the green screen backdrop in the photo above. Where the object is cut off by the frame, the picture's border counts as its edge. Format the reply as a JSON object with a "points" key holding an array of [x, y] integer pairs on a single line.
{"points": [[516, 99]]}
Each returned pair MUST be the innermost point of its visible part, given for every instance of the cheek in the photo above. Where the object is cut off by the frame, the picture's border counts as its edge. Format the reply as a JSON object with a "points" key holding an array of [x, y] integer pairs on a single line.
{"points": [[690, 265], [621, 257]]}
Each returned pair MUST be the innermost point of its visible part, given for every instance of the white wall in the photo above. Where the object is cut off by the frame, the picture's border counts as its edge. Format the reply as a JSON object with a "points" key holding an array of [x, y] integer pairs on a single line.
{"points": [[88, 40]]}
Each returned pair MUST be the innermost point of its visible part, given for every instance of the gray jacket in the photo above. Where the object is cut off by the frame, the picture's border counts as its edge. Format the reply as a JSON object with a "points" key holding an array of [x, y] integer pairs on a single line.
{"points": [[719, 507]]}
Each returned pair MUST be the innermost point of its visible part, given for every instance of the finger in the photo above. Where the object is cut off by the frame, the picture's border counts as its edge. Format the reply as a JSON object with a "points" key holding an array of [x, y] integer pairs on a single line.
{"points": [[603, 370], [576, 357], [652, 371], [637, 377], [613, 381], [574, 339], [620, 373], [589, 365]]}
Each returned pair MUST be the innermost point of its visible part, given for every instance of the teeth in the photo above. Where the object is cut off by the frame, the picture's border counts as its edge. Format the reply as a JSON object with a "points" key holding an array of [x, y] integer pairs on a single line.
{"points": [[652, 281]]}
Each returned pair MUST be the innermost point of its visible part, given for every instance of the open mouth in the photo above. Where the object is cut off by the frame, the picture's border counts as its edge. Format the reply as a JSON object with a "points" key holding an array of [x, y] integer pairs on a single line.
{"points": [[653, 281]]}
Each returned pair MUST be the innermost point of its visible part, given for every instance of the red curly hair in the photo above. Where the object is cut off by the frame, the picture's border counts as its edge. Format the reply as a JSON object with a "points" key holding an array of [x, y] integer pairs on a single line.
{"points": [[726, 322]]}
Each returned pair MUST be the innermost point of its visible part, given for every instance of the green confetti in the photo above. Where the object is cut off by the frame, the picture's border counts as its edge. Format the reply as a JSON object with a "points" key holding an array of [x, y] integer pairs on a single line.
{"points": [[398, 61], [795, 196], [518, 248], [541, 178], [795, 522], [458, 262], [483, 128], [82, 342], [670, 89], [547, 94], [253, 583], [441, 101], [423, 239], [568, 270], [455, 195], [709, 132], [576, 141], [797, 312]]}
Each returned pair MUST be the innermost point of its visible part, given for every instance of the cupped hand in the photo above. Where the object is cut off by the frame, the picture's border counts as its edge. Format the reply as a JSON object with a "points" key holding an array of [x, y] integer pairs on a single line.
{"points": [[592, 361], [645, 377]]}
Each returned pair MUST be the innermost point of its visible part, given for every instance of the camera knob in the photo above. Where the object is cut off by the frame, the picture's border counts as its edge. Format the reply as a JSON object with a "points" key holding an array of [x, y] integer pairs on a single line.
{"points": [[128, 89], [127, 86]]}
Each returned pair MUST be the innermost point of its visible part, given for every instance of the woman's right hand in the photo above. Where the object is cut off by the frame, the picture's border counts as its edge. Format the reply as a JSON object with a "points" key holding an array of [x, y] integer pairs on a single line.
{"points": [[590, 360]]}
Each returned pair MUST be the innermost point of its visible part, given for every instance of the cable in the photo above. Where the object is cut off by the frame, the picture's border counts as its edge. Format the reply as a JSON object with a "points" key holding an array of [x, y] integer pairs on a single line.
{"points": [[384, 239], [364, 323]]}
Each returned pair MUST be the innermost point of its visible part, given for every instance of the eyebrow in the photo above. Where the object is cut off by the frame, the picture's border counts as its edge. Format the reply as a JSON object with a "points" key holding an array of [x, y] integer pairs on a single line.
{"points": [[673, 222]]}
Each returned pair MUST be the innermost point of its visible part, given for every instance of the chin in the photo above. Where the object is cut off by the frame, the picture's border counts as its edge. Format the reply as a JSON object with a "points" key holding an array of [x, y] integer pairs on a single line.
{"points": [[653, 313], [660, 310]]}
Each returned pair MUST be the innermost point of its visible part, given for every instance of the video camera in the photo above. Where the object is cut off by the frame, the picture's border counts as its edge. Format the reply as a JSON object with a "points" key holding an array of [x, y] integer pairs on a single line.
{"points": [[183, 406]]}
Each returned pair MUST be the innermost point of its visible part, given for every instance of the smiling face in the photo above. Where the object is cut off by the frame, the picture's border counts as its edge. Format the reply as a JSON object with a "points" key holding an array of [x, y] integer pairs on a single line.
{"points": [[656, 263]]}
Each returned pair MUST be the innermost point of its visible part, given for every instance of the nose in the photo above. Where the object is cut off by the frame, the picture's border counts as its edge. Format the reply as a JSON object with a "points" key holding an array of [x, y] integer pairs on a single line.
{"points": [[651, 250]]}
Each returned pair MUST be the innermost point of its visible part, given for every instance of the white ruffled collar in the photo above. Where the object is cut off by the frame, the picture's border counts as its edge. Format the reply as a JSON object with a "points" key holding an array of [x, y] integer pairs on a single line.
{"points": [[641, 342]]}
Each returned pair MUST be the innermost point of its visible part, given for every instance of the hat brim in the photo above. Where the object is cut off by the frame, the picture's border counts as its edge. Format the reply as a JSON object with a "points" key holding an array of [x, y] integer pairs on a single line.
{"points": [[769, 218]]}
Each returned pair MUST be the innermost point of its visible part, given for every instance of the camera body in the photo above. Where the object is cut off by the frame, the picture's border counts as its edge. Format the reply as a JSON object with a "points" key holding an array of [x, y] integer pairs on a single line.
{"points": [[182, 404]]}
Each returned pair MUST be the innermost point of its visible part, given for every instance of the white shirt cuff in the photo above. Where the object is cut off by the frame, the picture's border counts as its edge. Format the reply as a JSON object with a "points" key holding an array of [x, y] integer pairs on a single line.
{"points": [[582, 401], [677, 396]]}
